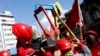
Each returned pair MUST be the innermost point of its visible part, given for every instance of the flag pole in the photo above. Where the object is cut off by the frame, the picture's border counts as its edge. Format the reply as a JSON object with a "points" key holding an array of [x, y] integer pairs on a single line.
{"points": [[80, 21], [66, 26]]}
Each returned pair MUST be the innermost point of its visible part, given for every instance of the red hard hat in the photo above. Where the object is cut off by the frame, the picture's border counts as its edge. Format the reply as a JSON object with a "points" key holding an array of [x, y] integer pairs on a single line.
{"points": [[48, 53], [4, 53], [30, 51], [22, 31], [63, 44], [92, 32]]}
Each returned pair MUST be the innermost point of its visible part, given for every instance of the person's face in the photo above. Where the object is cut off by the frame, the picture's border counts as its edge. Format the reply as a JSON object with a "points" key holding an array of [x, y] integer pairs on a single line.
{"points": [[91, 39]]}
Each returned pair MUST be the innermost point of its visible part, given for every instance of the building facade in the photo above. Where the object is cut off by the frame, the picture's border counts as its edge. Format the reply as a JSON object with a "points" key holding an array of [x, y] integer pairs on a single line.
{"points": [[7, 39], [91, 13]]}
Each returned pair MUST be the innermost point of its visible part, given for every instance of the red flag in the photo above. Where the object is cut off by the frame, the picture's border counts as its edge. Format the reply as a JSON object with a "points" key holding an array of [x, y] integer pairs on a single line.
{"points": [[74, 16]]}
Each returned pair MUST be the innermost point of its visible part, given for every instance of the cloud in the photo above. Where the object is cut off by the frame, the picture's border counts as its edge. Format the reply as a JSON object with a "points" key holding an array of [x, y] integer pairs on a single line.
{"points": [[45, 21]]}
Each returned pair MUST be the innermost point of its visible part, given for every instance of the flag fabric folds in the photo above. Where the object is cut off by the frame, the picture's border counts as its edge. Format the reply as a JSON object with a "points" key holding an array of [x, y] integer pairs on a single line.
{"points": [[74, 16]]}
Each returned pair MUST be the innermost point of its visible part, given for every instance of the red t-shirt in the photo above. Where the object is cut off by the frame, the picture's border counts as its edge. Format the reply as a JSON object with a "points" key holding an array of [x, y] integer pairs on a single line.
{"points": [[95, 50]]}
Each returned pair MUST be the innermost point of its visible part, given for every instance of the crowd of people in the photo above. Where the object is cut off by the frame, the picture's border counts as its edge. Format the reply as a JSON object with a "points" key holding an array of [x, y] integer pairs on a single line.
{"points": [[90, 46]]}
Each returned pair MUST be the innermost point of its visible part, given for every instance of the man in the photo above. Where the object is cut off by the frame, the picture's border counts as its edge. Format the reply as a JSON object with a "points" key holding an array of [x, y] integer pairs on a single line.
{"points": [[92, 41], [23, 32], [67, 48]]}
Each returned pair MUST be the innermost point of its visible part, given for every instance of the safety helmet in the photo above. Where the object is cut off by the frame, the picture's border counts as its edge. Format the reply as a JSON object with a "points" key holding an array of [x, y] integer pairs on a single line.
{"points": [[22, 31], [92, 32], [30, 51], [92, 37], [48, 53], [63, 44], [4, 53]]}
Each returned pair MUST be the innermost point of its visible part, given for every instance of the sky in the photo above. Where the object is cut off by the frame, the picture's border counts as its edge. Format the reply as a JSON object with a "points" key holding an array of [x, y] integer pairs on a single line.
{"points": [[23, 10]]}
